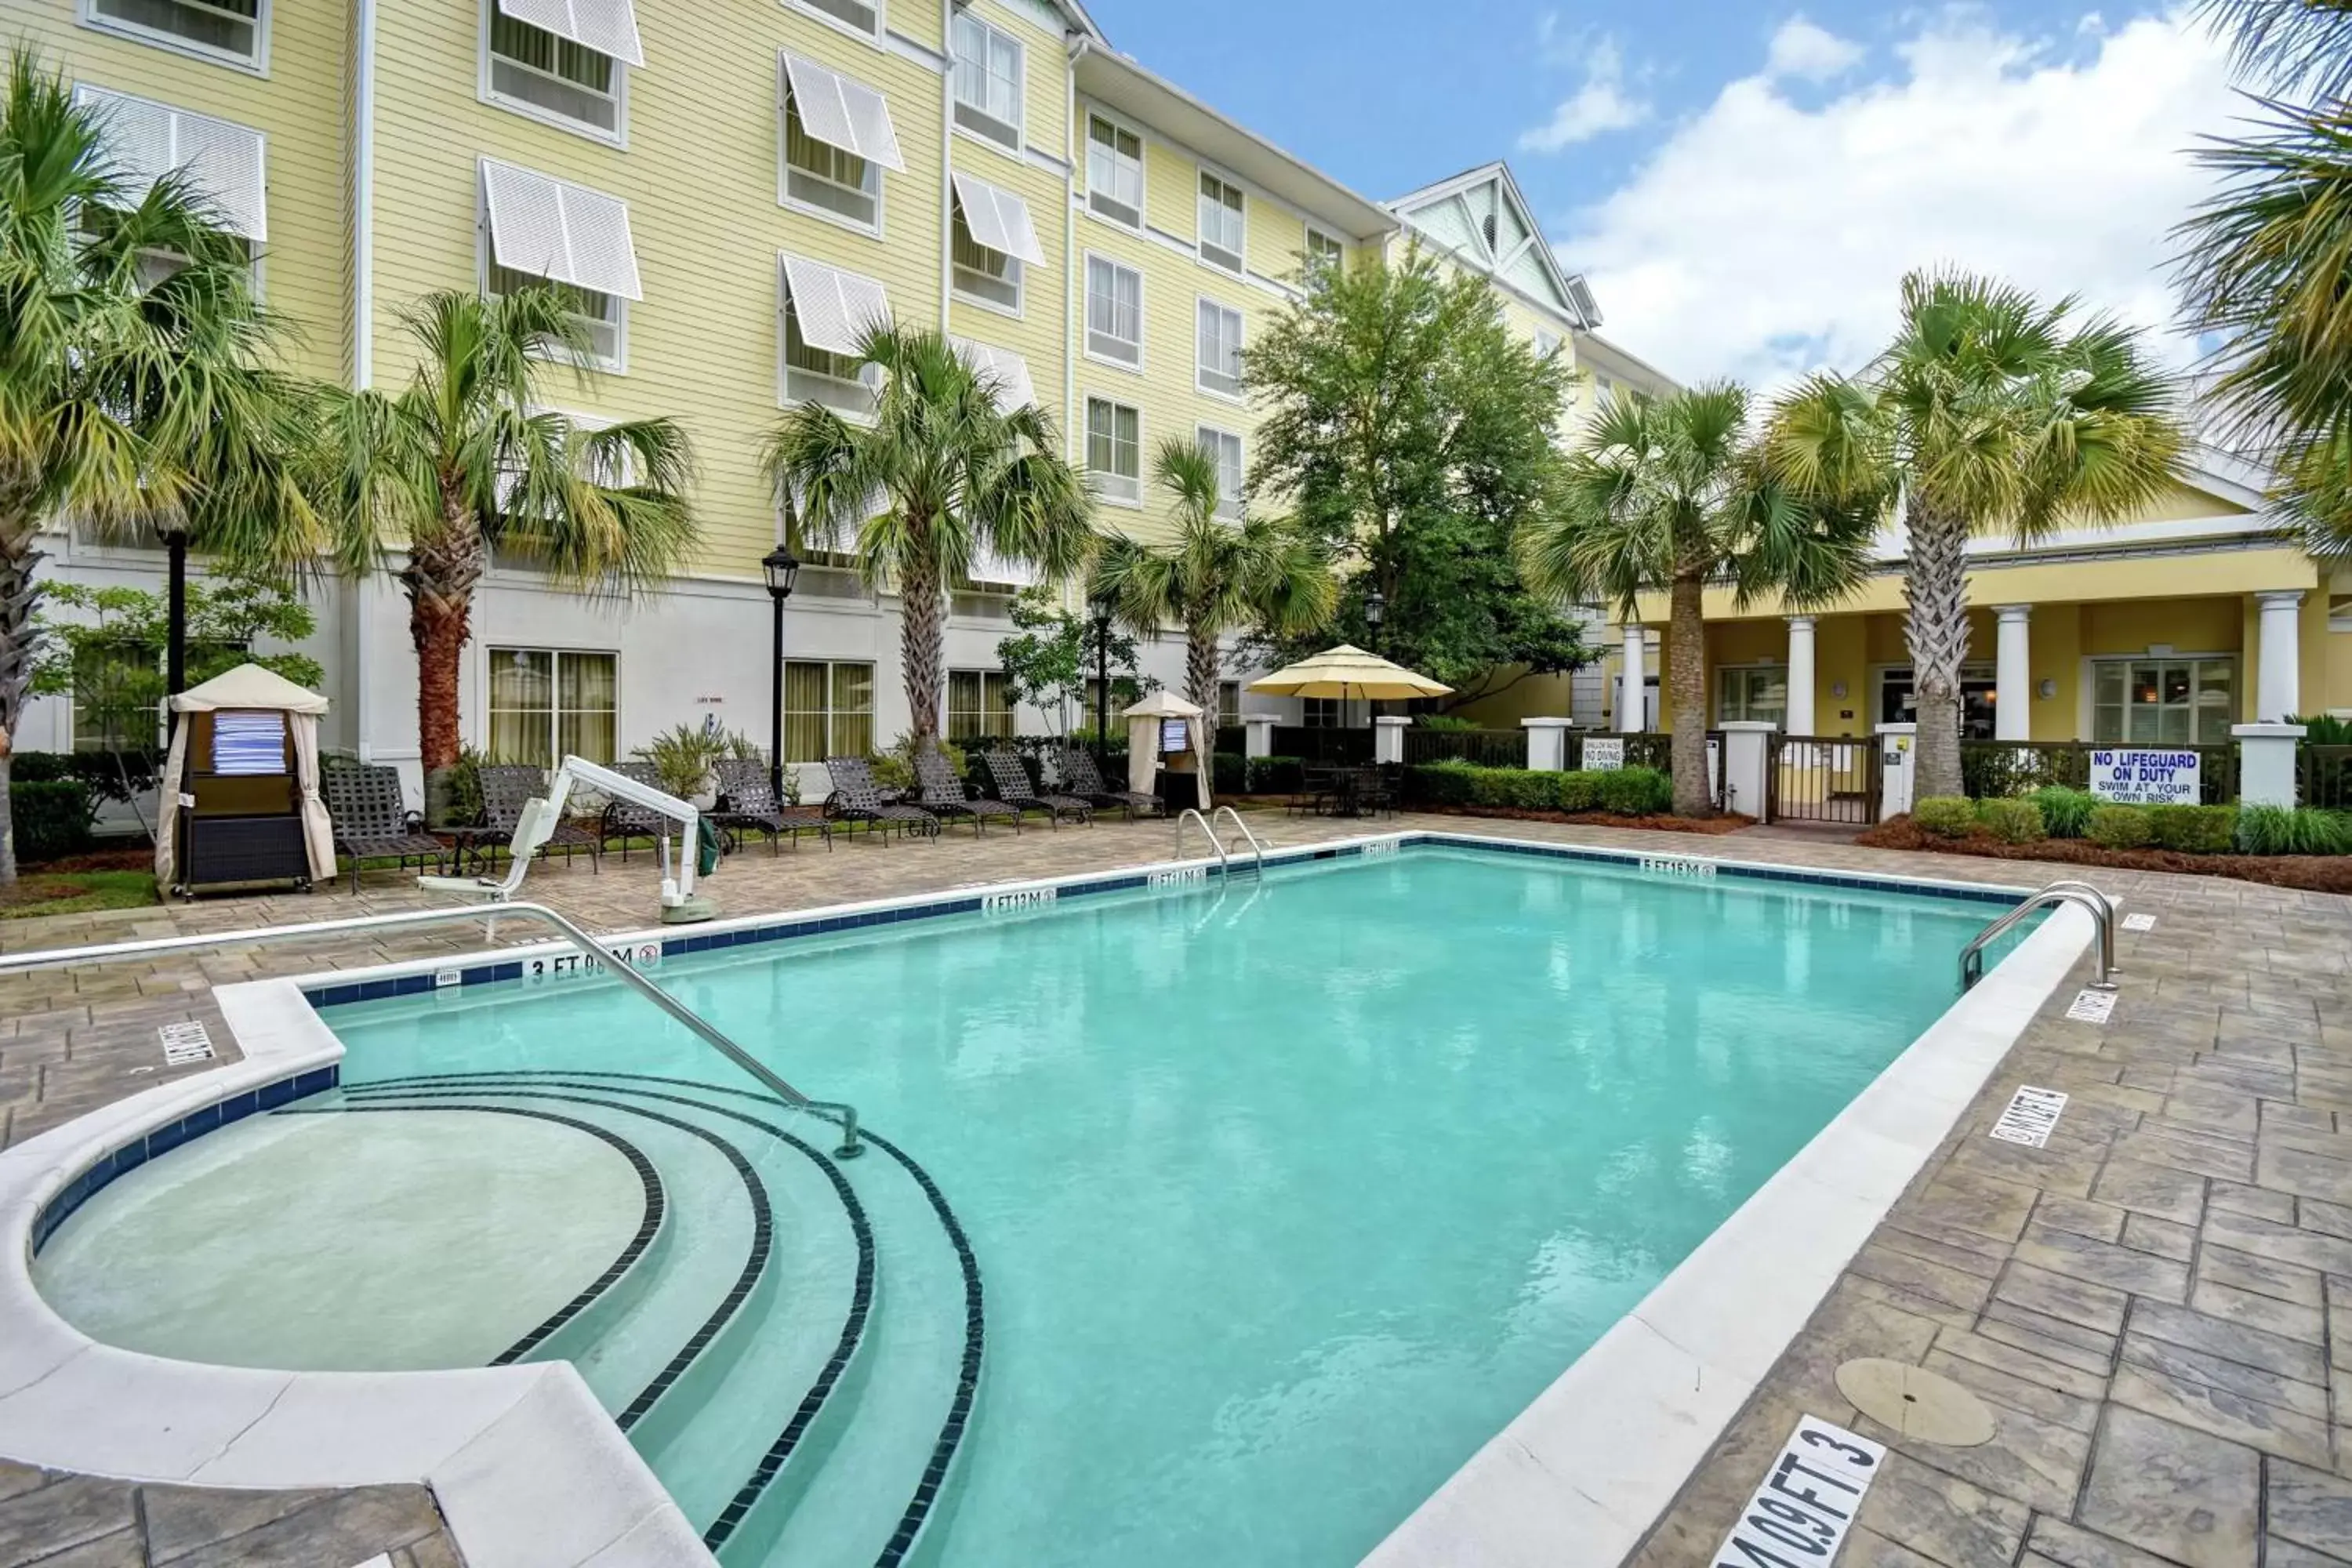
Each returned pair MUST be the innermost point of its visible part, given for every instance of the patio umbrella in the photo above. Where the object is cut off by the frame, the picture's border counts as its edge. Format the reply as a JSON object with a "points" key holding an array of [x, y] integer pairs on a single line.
{"points": [[1346, 671]]}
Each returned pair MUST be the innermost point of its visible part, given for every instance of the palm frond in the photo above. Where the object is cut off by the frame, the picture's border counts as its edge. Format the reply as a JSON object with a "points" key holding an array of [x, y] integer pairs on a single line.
{"points": [[2298, 46]]}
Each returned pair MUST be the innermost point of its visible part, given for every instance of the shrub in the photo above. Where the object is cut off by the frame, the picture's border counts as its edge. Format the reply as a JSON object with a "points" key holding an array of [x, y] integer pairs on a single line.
{"points": [[2193, 829], [1945, 816], [2119, 827], [52, 817], [1636, 792], [1228, 773], [2065, 813], [1578, 791], [1446, 722], [1276, 775], [680, 757], [2304, 830], [2010, 821]]}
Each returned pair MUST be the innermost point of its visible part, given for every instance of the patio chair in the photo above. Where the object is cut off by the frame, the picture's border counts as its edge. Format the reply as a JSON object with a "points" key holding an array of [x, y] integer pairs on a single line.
{"points": [[747, 804], [626, 820], [1013, 787], [372, 820], [1080, 777], [856, 798], [505, 788], [940, 793]]}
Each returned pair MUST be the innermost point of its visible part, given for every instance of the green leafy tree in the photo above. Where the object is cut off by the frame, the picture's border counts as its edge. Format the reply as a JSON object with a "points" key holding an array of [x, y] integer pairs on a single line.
{"points": [[1052, 657], [464, 460], [941, 476], [1217, 576], [130, 403], [1666, 496], [1415, 435], [1989, 413]]}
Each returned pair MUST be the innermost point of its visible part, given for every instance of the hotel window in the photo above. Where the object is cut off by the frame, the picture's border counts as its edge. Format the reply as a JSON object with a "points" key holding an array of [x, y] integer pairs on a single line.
{"points": [[543, 230], [1114, 312], [235, 31], [837, 139], [1321, 713], [1006, 372], [1324, 253], [987, 81], [1217, 350], [560, 73], [828, 710], [856, 15], [548, 703], [992, 238], [1115, 451], [1114, 172], [602, 317], [1221, 223], [980, 705], [117, 697], [824, 313], [1753, 696], [2339, 612], [2163, 702], [1229, 703], [1547, 344], [1226, 448], [221, 161]]}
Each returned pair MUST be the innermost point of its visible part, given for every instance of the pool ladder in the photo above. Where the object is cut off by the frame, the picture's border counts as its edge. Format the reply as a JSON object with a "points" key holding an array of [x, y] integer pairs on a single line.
{"points": [[1191, 814], [2103, 913]]}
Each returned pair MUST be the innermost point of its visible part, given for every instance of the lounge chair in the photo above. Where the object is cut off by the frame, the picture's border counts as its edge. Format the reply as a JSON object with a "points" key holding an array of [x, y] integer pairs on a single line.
{"points": [[1080, 777], [625, 820], [505, 788], [856, 798], [372, 820], [1013, 787], [747, 804], [940, 793]]}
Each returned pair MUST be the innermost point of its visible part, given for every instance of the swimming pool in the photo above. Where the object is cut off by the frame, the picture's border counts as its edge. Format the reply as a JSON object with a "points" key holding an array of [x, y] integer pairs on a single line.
{"points": [[1219, 1222]]}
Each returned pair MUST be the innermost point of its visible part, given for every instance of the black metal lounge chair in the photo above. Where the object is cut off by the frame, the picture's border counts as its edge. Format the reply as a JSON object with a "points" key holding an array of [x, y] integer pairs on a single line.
{"points": [[747, 804], [940, 793], [1080, 777], [1013, 787], [856, 798], [625, 820], [372, 820], [505, 788]]}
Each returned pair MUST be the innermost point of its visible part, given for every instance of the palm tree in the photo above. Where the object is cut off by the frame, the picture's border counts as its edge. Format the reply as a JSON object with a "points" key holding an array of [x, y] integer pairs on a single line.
{"points": [[2299, 45], [130, 403], [1668, 495], [940, 477], [462, 461], [1217, 576], [1989, 412]]}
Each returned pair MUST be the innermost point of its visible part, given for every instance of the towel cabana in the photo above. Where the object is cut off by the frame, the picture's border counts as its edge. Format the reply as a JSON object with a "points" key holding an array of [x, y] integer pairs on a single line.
{"points": [[239, 799], [1147, 727]]}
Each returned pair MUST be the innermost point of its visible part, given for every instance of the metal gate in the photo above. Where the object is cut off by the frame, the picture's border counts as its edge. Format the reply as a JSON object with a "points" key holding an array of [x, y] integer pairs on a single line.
{"points": [[1822, 778]]}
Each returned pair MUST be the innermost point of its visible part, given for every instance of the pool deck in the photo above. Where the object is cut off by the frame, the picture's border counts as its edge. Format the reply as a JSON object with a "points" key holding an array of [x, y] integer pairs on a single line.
{"points": [[2149, 1305]]}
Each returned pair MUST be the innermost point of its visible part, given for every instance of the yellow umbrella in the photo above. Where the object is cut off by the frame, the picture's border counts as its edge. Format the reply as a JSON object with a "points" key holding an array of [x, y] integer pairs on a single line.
{"points": [[1344, 672]]}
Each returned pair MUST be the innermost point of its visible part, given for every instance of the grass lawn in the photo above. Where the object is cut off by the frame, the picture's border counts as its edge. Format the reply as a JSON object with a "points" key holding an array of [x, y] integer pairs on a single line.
{"points": [[42, 892]]}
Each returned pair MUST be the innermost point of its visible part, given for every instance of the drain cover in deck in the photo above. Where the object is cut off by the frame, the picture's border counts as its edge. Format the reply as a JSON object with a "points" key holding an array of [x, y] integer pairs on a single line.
{"points": [[1918, 1402]]}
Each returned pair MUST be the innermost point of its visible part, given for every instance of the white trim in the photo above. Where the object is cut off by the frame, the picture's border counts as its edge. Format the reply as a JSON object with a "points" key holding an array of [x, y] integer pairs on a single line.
{"points": [[878, 38], [257, 64], [1203, 170], [1085, 455], [1018, 125], [488, 93], [1142, 314], [1232, 503], [1142, 170], [787, 168], [1201, 370]]}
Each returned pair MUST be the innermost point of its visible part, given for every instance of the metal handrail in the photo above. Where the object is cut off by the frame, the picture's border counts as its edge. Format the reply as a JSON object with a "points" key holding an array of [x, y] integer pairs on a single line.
{"points": [[1256, 847], [830, 1110], [2103, 915], [1191, 814]]}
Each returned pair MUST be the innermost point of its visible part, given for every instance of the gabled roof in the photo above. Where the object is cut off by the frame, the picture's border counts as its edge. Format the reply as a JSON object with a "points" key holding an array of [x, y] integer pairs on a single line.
{"points": [[1482, 217]]}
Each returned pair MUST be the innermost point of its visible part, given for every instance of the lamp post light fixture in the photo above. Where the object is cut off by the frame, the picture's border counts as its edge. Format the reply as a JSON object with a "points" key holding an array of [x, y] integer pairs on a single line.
{"points": [[782, 569], [1376, 610], [174, 540], [1102, 605]]}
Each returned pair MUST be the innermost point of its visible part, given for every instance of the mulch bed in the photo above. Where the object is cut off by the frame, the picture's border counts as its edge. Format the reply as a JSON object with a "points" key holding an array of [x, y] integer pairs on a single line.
{"points": [[139, 860], [2315, 873], [1729, 822]]}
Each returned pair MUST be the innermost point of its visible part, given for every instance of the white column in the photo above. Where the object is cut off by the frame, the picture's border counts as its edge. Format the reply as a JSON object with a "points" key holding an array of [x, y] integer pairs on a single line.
{"points": [[1388, 738], [2278, 689], [1897, 742], [1632, 691], [2266, 764], [1258, 739], [2012, 703], [1800, 674], [1547, 743]]}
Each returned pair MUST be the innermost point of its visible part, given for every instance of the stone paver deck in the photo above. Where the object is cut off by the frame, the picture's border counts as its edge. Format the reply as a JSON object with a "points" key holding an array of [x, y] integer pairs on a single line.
{"points": [[2156, 1305]]}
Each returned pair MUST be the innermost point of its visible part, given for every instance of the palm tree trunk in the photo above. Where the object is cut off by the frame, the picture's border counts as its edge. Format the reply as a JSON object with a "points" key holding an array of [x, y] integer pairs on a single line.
{"points": [[20, 592], [1203, 663], [1686, 661], [1935, 587], [921, 635], [440, 579]]}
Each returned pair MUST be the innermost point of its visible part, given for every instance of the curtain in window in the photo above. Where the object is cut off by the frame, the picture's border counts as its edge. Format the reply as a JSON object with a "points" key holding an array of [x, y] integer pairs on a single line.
{"points": [[522, 707], [805, 740], [587, 702], [853, 710]]}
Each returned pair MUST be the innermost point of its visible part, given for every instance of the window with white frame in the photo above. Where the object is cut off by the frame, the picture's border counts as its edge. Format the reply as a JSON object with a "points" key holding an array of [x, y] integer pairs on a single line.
{"points": [[825, 313], [2339, 612], [1222, 223], [837, 138], [858, 15], [992, 238], [1754, 694], [233, 30], [549, 704], [1114, 172], [602, 318], [1229, 704], [541, 230], [1217, 349], [1226, 448], [1321, 713], [1114, 311], [980, 705], [222, 164], [1115, 451], [983, 276], [1547, 344], [828, 709], [1324, 253], [553, 78], [2168, 701], [988, 65]]}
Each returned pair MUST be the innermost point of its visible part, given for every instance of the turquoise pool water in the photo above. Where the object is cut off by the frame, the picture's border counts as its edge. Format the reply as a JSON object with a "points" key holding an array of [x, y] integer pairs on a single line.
{"points": [[1280, 1199]]}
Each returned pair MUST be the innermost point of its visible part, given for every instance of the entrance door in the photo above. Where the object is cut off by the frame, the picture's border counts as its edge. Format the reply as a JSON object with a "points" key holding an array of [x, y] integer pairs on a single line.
{"points": [[1899, 700]]}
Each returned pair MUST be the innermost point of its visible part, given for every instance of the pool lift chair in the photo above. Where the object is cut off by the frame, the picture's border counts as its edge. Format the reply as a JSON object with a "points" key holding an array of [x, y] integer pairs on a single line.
{"points": [[542, 814]]}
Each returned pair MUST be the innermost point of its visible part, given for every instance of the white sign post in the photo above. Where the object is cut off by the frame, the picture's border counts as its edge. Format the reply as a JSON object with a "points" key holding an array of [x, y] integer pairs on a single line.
{"points": [[2146, 777], [1603, 754]]}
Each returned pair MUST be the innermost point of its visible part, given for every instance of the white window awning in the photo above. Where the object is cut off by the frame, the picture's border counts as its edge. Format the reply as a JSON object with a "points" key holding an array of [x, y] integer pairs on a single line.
{"points": [[987, 566], [997, 218], [560, 231], [843, 113], [607, 27], [224, 164], [833, 307], [1009, 370]]}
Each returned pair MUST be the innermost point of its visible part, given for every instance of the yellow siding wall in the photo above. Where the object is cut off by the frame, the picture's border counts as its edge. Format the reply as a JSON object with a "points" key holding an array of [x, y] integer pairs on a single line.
{"points": [[298, 106]]}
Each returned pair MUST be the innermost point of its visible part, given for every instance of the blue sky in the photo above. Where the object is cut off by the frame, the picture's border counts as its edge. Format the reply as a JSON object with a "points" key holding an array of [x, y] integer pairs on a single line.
{"points": [[1745, 181]]}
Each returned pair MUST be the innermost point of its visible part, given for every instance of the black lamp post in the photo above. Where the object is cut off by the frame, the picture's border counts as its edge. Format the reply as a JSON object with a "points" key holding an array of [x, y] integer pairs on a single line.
{"points": [[1376, 610], [782, 570], [1102, 608], [175, 637]]}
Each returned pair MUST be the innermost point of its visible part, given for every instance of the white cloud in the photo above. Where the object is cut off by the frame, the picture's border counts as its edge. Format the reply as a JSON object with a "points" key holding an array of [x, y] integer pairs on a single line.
{"points": [[1763, 238], [1809, 52], [1600, 106]]}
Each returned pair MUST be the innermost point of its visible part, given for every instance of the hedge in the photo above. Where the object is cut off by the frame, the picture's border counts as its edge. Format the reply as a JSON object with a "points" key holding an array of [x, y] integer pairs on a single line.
{"points": [[1228, 772], [1276, 775], [1623, 792], [52, 818]]}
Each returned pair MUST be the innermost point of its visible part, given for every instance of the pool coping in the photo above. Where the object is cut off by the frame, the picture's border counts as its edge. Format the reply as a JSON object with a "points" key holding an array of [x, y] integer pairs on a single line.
{"points": [[512, 1451]]}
